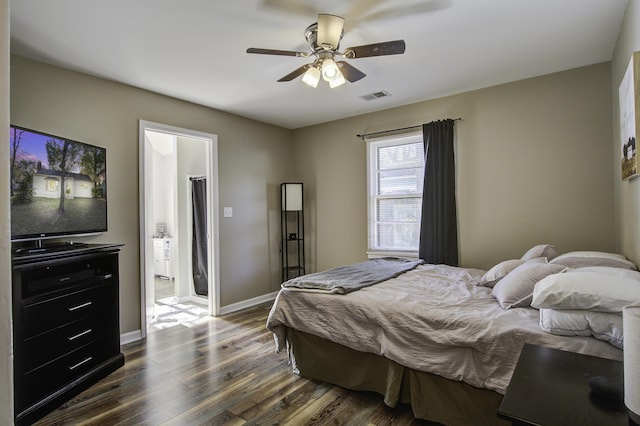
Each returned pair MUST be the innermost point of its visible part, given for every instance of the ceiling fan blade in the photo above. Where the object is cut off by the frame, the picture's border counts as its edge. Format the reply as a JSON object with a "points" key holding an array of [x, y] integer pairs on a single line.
{"points": [[330, 31], [295, 73], [351, 73], [275, 52], [395, 47]]}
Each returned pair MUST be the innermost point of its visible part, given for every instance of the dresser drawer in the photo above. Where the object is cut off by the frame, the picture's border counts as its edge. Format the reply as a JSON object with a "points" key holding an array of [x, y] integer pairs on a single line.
{"points": [[42, 381], [50, 345], [62, 274], [55, 312]]}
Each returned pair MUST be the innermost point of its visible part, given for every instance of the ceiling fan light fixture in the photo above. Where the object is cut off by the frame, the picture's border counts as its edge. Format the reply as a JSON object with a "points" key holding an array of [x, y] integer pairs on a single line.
{"points": [[330, 30], [338, 80], [311, 77], [330, 69]]}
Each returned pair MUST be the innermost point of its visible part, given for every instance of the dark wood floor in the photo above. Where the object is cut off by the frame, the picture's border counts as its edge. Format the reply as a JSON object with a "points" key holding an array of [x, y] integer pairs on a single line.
{"points": [[223, 371]]}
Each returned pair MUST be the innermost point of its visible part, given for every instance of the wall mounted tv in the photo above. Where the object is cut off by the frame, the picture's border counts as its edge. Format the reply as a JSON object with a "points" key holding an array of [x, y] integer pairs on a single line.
{"points": [[58, 186]]}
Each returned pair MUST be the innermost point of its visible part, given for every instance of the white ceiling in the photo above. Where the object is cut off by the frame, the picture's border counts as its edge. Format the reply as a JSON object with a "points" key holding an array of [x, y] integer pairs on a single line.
{"points": [[195, 49]]}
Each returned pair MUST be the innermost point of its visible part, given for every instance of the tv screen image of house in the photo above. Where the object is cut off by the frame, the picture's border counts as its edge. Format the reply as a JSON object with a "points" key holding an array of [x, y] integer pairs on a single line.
{"points": [[58, 186]]}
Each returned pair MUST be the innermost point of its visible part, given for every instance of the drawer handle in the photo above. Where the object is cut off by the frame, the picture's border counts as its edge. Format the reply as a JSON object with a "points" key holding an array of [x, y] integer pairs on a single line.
{"points": [[84, 305], [79, 335], [84, 361], [104, 277]]}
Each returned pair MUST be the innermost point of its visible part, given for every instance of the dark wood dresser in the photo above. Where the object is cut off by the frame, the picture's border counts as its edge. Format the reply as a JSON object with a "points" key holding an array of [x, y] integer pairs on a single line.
{"points": [[66, 328]]}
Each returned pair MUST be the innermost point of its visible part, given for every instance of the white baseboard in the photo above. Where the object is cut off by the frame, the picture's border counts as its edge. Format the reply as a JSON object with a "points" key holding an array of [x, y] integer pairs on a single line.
{"points": [[132, 336], [195, 299], [248, 303]]}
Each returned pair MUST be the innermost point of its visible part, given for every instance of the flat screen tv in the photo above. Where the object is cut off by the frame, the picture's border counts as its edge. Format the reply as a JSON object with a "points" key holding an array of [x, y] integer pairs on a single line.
{"points": [[58, 186]]}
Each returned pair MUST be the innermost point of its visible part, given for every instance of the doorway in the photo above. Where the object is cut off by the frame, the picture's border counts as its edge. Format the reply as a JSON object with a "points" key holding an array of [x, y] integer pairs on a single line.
{"points": [[169, 158]]}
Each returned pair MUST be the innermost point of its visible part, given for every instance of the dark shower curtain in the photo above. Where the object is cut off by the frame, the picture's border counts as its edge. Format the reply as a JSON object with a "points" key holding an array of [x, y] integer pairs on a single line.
{"points": [[199, 243], [439, 230]]}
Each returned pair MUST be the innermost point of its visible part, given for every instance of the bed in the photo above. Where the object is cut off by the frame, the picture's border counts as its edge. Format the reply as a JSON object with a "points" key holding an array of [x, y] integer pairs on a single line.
{"points": [[443, 339]]}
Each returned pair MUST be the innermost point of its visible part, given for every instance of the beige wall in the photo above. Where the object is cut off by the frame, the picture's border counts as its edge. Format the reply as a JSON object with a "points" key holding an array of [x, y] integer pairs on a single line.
{"points": [[627, 193], [253, 159], [533, 166], [6, 346]]}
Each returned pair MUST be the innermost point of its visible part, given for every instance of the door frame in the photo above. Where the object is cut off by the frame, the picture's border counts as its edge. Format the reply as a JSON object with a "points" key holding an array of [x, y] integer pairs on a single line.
{"points": [[146, 241]]}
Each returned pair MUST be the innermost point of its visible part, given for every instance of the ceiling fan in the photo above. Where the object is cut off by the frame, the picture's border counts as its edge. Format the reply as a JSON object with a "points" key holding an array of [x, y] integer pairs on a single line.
{"points": [[324, 39]]}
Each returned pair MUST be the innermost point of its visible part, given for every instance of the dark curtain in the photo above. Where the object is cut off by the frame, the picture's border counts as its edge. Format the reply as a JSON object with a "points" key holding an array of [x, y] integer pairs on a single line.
{"points": [[199, 243], [439, 227]]}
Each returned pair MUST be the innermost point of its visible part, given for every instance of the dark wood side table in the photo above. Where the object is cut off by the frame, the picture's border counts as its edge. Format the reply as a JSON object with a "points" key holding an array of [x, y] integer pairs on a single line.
{"points": [[550, 387]]}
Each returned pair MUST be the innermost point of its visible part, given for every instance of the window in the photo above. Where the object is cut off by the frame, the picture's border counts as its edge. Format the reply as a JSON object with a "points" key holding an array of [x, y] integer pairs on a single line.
{"points": [[53, 185], [395, 167]]}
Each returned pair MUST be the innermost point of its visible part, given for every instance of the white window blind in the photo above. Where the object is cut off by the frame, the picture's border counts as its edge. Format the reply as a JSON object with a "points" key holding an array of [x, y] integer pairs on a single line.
{"points": [[395, 180]]}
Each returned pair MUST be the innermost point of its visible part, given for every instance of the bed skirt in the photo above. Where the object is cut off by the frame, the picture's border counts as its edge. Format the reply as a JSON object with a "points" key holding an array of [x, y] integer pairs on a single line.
{"points": [[432, 397]]}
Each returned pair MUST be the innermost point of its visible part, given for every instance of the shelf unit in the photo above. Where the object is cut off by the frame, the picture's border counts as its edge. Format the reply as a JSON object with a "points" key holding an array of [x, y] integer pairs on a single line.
{"points": [[292, 230]]}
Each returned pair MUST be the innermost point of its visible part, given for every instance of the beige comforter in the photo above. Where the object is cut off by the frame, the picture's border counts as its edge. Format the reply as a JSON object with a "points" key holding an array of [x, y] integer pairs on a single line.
{"points": [[432, 319]]}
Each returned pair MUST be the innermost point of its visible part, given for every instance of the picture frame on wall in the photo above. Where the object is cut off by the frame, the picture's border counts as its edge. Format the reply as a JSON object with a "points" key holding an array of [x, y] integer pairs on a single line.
{"points": [[629, 93]]}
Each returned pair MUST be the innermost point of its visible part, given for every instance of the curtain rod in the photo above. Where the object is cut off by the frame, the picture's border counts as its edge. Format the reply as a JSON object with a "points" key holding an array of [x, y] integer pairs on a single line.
{"points": [[362, 136]]}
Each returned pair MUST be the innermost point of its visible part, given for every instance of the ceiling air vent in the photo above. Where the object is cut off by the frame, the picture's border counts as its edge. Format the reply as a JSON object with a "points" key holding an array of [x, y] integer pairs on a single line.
{"points": [[376, 95]]}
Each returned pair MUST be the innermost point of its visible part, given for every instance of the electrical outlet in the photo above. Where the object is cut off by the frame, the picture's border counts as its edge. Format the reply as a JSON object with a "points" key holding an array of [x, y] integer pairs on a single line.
{"points": [[228, 212]]}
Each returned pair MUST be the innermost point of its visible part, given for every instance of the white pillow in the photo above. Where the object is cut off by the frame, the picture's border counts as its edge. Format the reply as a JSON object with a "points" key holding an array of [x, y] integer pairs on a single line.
{"points": [[500, 270], [596, 291], [621, 272], [579, 259], [601, 325], [516, 289], [541, 250]]}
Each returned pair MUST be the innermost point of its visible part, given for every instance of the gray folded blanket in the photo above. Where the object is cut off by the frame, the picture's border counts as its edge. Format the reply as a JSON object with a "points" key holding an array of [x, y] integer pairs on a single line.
{"points": [[345, 279]]}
